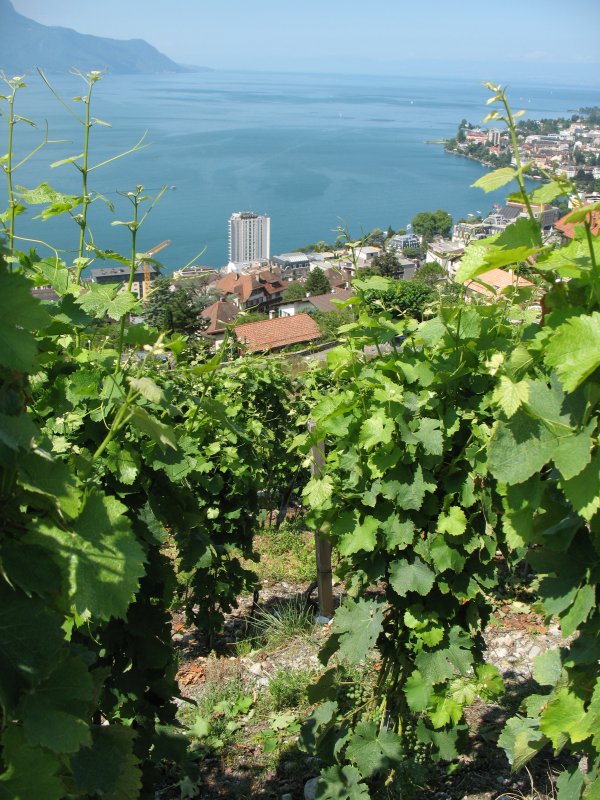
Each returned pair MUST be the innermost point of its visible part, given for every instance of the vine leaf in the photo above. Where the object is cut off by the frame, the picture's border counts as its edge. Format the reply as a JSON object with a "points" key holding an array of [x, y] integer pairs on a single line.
{"points": [[452, 522], [20, 313], [411, 577], [519, 448], [104, 559], [363, 537], [574, 349], [376, 429], [439, 665], [108, 767], [318, 492], [32, 772], [583, 491], [49, 714], [372, 750], [496, 179], [565, 715], [356, 626], [107, 299], [521, 739], [341, 783], [569, 784], [418, 692], [510, 396]]}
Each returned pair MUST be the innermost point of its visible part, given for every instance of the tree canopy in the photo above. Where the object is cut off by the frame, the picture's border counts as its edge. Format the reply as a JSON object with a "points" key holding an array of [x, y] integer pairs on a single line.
{"points": [[432, 223], [295, 291], [176, 310], [317, 282]]}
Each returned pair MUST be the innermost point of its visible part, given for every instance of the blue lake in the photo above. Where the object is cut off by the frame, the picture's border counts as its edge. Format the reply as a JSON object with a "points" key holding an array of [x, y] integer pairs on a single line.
{"points": [[312, 151]]}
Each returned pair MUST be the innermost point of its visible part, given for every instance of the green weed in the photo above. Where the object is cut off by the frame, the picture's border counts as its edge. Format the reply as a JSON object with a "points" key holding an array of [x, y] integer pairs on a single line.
{"points": [[287, 619], [289, 688]]}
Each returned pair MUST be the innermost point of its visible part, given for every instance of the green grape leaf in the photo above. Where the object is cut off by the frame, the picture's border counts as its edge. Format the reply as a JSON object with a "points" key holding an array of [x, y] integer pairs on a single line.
{"points": [[547, 668], [318, 492], [372, 750], [32, 773], [103, 557], [418, 691], [147, 388], [445, 710], [519, 448], [411, 577], [31, 641], [548, 192], [357, 624], [573, 453], [438, 665], [54, 716], [430, 436], [341, 783], [408, 496], [453, 522], [569, 784], [108, 767], [583, 491], [398, 533], [583, 604], [496, 179], [521, 739], [107, 300], [574, 349], [510, 396], [376, 429], [318, 725], [363, 537], [565, 715], [20, 313], [162, 434], [445, 557]]}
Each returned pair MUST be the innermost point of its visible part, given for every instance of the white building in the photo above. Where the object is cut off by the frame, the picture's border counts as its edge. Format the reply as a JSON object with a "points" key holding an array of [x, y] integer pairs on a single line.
{"points": [[249, 237]]}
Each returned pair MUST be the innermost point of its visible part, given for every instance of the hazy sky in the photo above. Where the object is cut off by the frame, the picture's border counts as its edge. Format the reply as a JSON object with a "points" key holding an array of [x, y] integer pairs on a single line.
{"points": [[554, 39]]}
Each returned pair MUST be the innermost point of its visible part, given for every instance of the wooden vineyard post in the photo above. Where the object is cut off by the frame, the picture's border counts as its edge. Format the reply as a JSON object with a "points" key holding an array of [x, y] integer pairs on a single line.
{"points": [[322, 546]]}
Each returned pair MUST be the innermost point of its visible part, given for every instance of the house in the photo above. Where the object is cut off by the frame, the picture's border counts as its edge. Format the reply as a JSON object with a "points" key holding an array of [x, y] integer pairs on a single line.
{"points": [[273, 334], [498, 280], [219, 315], [465, 232], [567, 229], [255, 291], [320, 302], [292, 265], [446, 254], [406, 241], [121, 275], [364, 255]]}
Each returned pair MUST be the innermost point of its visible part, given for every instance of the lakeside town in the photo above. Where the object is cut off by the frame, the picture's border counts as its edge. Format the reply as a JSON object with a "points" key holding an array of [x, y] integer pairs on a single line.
{"points": [[564, 147], [296, 301]]}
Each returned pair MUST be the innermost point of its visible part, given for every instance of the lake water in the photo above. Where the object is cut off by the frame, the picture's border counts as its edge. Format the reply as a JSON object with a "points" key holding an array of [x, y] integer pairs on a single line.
{"points": [[312, 151]]}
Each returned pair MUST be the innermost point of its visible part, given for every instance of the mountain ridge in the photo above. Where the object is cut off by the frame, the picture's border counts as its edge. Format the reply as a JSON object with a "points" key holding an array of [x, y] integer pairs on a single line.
{"points": [[26, 44]]}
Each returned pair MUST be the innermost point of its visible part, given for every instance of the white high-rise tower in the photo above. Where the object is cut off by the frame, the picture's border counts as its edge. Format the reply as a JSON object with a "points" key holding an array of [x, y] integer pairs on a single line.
{"points": [[249, 237]]}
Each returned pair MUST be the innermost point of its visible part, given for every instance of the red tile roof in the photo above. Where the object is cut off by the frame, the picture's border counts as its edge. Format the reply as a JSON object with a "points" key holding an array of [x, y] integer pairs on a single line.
{"points": [[499, 279], [322, 302], [279, 332], [568, 228], [219, 314]]}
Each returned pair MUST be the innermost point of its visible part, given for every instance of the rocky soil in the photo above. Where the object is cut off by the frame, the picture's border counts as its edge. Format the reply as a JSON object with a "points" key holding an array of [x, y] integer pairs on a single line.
{"points": [[514, 638]]}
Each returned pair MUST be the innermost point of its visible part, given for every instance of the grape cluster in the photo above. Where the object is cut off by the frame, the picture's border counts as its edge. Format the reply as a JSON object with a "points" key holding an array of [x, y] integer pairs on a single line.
{"points": [[415, 749], [351, 695]]}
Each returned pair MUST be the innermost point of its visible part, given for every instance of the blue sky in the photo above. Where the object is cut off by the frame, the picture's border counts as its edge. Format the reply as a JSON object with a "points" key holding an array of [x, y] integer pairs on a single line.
{"points": [[557, 40]]}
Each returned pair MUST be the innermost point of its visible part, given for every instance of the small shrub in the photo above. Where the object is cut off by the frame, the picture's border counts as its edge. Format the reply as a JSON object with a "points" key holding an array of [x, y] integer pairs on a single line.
{"points": [[289, 688], [284, 620]]}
